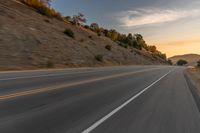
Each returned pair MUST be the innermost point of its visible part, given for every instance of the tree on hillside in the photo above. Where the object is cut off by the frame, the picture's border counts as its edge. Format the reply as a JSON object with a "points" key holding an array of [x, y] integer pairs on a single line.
{"points": [[114, 34], [79, 19], [198, 63], [170, 62], [140, 41], [181, 62], [94, 26], [152, 49]]}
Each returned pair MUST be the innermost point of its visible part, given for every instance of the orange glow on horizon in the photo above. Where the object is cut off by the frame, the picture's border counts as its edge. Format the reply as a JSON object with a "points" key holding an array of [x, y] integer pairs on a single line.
{"points": [[180, 47]]}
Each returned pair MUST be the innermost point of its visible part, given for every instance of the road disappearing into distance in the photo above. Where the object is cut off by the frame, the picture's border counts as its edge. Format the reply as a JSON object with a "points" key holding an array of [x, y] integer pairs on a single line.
{"points": [[127, 99]]}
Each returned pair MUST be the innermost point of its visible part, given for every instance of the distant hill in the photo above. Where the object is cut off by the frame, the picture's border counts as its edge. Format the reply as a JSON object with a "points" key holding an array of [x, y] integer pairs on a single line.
{"points": [[190, 58], [29, 40]]}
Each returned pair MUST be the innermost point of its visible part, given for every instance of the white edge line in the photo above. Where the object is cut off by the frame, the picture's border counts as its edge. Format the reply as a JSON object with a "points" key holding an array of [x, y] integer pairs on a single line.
{"points": [[96, 124]]}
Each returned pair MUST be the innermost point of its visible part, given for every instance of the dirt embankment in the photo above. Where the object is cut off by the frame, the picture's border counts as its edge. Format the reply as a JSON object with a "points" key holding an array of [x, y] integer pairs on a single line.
{"points": [[29, 40], [194, 75]]}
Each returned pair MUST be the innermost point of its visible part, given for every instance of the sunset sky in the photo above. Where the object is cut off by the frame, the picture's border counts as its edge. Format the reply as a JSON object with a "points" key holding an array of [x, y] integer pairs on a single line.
{"points": [[172, 25]]}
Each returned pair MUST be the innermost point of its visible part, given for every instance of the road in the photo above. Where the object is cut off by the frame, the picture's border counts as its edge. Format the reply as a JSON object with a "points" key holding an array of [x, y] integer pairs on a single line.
{"points": [[132, 99]]}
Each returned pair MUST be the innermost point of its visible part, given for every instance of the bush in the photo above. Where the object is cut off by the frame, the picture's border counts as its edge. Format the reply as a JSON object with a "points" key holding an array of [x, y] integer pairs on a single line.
{"points": [[69, 33], [44, 11], [87, 27], [82, 40], [170, 62], [49, 64], [181, 62], [98, 34], [108, 47], [99, 58], [90, 37], [198, 63], [123, 45], [42, 8]]}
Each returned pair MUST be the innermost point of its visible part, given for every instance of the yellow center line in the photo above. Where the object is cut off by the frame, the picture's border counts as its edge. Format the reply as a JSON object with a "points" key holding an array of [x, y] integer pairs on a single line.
{"points": [[57, 87]]}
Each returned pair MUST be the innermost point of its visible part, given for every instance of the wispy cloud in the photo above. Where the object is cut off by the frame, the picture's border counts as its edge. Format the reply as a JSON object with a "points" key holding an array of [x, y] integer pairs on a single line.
{"points": [[153, 16]]}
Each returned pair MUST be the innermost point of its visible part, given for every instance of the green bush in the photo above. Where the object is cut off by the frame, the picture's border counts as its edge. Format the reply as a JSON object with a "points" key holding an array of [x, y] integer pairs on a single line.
{"points": [[44, 11], [98, 34], [69, 33], [108, 47], [181, 62], [99, 58]]}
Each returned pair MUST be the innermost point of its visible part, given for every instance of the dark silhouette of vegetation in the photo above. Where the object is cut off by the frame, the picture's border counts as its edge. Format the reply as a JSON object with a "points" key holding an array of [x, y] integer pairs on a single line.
{"points": [[198, 63], [69, 32], [49, 64], [181, 62], [99, 57], [108, 47], [170, 62], [90, 37], [78, 20]]}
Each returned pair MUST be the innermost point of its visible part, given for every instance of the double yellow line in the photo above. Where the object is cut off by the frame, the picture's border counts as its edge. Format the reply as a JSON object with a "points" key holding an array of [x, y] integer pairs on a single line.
{"points": [[57, 87]]}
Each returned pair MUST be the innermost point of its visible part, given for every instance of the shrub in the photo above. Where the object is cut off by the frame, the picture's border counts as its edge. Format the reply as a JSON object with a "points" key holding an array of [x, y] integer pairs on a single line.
{"points": [[82, 40], [98, 34], [108, 47], [123, 45], [42, 8], [99, 58], [170, 62], [49, 64], [44, 11], [181, 62], [69, 33], [46, 20], [87, 27], [198, 63], [90, 37]]}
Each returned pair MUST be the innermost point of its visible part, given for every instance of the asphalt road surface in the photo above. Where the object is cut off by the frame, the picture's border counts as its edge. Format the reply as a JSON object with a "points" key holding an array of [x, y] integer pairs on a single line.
{"points": [[132, 99]]}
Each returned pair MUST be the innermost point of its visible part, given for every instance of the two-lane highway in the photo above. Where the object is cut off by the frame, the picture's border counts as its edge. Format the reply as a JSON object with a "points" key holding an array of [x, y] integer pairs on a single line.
{"points": [[139, 99]]}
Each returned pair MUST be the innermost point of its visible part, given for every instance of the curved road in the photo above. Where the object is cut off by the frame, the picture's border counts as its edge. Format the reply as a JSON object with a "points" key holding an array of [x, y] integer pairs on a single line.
{"points": [[132, 99]]}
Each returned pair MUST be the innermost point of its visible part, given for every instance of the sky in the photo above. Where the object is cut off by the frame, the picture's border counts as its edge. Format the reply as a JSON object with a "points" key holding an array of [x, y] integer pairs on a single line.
{"points": [[172, 25]]}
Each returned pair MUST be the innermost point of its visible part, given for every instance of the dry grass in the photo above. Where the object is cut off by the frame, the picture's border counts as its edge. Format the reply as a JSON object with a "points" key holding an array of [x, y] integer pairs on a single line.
{"points": [[194, 74]]}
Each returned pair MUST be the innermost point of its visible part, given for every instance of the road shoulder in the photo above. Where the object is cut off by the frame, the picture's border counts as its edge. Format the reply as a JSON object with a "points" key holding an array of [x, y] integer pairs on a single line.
{"points": [[192, 76]]}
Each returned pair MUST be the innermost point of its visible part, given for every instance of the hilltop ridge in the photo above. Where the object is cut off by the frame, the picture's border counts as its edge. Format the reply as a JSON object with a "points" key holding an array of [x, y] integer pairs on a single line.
{"points": [[190, 58]]}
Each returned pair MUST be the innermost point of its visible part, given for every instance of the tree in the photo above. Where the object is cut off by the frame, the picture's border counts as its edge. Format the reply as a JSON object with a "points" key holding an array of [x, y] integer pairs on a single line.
{"points": [[198, 63], [140, 41], [181, 62], [79, 19], [94, 26], [114, 35], [152, 49], [170, 62]]}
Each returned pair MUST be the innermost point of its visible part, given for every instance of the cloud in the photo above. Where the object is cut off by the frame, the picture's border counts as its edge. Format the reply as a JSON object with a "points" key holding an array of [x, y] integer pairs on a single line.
{"points": [[141, 17]]}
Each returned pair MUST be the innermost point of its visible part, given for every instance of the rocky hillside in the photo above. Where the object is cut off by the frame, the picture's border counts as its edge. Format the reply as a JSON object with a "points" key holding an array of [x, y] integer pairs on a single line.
{"points": [[190, 58], [29, 40]]}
